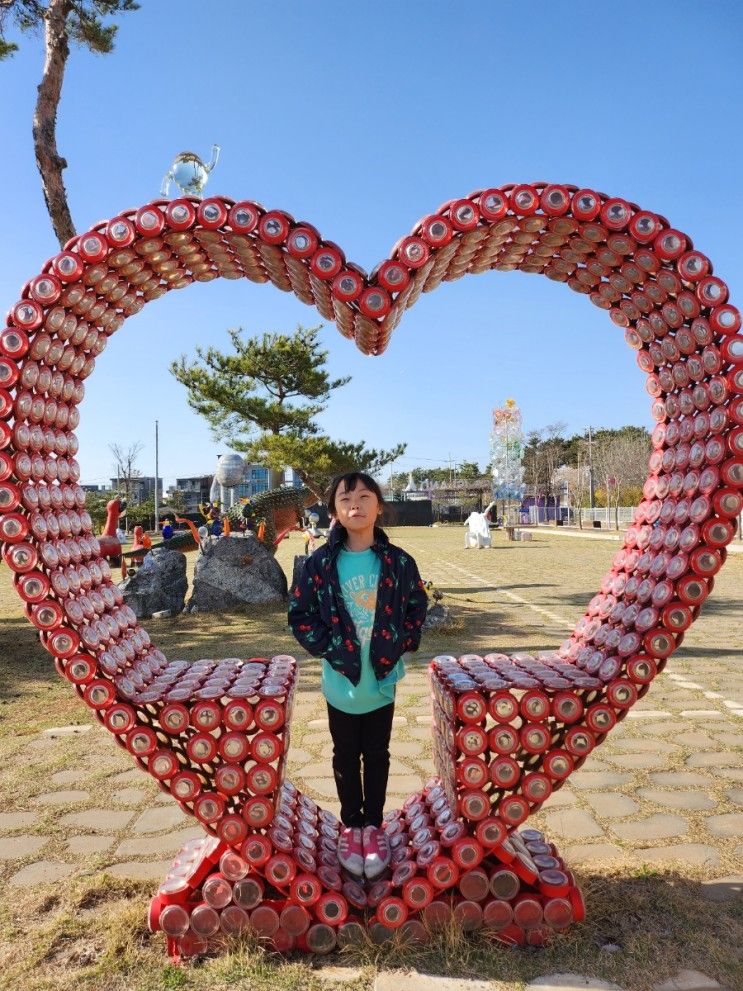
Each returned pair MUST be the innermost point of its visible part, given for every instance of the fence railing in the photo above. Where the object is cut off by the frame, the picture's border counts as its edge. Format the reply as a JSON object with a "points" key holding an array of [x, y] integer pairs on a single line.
{"points": [[609, 518]]}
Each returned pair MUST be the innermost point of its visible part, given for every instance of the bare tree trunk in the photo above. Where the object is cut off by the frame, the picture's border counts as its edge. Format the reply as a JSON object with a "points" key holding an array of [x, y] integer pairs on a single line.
{"points": [[49, 161]]}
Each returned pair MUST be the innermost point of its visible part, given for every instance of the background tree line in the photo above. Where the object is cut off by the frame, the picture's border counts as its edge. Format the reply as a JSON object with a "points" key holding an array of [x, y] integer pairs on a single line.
{"points": [[556, 465]]}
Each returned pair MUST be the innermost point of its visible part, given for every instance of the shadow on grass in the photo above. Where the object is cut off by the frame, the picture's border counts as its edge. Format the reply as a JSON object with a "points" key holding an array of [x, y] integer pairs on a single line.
{"points": [[459, 590], [25, 667]]}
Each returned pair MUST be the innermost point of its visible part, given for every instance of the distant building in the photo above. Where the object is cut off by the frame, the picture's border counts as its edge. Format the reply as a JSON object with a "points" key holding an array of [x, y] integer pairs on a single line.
{"points": [[256, 479], [291, 479], [95, 488], [141, 488], [195, 490]]}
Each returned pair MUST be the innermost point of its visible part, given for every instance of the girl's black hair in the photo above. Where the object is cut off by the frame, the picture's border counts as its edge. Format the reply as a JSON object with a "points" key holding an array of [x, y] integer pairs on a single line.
{"points": [[351, 480]]}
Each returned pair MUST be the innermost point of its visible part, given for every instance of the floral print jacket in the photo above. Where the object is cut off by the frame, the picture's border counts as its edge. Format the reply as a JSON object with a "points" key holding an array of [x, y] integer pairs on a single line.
{"points": [[321, 623]]}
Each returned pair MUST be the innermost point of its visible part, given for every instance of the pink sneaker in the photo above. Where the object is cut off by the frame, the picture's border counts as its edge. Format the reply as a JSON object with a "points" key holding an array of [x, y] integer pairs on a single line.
{"points": [[376, 852], [351, 851]]}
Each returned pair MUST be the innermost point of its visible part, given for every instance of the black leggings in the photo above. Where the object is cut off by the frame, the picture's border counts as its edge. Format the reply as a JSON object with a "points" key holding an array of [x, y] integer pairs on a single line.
{"points": [[357, 735]]}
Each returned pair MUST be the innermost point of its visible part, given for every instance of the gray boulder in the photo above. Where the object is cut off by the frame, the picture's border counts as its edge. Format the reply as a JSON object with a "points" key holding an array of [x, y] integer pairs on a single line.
{"points": [[160, 584], [437, 617], [234, 571]]}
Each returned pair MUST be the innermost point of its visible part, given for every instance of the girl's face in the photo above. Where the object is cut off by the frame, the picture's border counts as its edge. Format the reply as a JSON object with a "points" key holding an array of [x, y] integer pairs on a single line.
{"points": [[358, 509]]}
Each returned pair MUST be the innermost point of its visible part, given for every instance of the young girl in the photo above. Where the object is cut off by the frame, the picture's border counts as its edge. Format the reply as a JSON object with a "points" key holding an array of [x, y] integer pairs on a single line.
{"points": [[359, 604]]}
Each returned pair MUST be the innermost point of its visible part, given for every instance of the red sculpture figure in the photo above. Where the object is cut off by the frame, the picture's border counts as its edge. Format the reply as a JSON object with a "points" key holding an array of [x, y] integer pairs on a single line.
{"points": [[508, 730], [142, 541], [109, 542]]}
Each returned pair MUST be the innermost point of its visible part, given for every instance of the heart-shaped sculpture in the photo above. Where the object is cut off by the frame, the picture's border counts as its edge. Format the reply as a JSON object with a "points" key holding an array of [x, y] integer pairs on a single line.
{"points": [[508, 730]]}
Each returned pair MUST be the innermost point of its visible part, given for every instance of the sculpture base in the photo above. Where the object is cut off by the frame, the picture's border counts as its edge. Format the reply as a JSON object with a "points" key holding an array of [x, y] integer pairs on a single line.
{"points": [[520, 893]]}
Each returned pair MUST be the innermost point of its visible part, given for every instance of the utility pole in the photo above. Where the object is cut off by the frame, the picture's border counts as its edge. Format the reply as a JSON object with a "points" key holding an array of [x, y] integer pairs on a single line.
{"points": [[591, 488], [157, 469]]}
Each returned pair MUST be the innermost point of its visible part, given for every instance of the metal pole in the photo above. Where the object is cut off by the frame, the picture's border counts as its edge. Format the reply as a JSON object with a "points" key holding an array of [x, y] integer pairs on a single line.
{"points": [[591, 488], [157, 469]]}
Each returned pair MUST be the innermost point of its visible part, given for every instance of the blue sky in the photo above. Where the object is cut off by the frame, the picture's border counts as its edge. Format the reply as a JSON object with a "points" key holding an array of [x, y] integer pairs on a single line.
{"points": [[361, 118]]}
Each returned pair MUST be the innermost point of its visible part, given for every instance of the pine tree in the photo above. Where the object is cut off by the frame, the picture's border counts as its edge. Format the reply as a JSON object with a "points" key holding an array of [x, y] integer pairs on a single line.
{"points": [[263, 399]]}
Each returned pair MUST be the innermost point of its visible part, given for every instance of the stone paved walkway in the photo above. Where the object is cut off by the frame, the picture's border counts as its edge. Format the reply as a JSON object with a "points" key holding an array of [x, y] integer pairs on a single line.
{"points": [[662, 789]]}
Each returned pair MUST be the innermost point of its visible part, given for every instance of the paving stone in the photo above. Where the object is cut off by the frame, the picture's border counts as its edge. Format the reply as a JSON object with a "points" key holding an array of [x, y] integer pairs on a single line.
{"points": [[297, 755], [404, 784], [41, 872], [723, 758], [10, 821], [733, 773], [690, 801], [688, 980], [424, 720], [697, 740], [317, 724], [571, 982], [573, 823], [148, 846], [139, 871], [611, 806], [704, 714], [20, 847], [317, 740], [588, 780], [596, 853], [730, 824], [406, 748], [324, 788], [43, 744], [697, 854], [58, 731], [723, 889], [85, 845], [98, 820], [131, 777], [635, 746], [639, 761], [61, 798], [679, 779], [730, 739], [156, 820], [419, 733], [559, 799], [659, 729], [412, 981], [130, 796], [735, 795], [661, 826], [649, 714], [66, 778], [594, 764], [338, 975]]}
